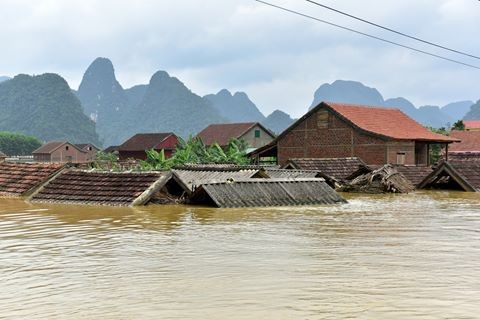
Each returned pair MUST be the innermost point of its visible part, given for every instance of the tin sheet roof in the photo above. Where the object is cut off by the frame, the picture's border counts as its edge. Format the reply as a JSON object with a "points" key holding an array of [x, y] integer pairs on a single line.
{"points": [[267, 193]]}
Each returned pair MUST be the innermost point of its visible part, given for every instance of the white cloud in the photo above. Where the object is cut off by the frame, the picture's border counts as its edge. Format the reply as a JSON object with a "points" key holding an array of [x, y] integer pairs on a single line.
{"points": [[279, 59]]}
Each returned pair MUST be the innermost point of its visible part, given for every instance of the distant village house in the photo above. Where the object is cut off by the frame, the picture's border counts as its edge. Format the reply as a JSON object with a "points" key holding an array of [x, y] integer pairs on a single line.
{"points": [[375, 135], [135, 147], [253, 133], [472, 125], [90, 149], [63, 151], [468, 148]]}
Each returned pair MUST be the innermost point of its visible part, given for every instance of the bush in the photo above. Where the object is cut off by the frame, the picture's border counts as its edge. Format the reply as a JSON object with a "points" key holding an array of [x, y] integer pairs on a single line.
{"points": [[17, 144]]}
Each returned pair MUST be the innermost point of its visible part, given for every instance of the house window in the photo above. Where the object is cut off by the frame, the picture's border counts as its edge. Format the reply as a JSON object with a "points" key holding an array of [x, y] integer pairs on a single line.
{"points": [[66, 148], [89, 148], [400, 157], [322, 119], [257, 133]]}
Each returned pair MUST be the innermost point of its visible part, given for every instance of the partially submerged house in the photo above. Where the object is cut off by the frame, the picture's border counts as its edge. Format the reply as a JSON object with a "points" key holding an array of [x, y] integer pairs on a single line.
{"points": [[60, 151], [253, 133], [136, 146], [340, 169], [468, 148], [190, 178], [103, 188], [454, 175], [266, 193], [334, 130], [19, 179]]}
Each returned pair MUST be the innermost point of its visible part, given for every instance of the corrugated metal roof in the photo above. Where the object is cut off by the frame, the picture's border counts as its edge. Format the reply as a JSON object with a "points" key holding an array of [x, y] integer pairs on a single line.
{"points": [[267, 193], [291, 173], [189, 179]]}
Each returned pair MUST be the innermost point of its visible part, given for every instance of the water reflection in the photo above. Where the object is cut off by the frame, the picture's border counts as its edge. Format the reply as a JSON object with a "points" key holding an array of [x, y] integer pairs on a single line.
{"points": [[410, 256]]}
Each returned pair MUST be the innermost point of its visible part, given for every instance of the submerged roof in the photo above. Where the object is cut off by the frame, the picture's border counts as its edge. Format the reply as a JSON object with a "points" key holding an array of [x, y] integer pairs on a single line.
{"points": [[189, 179], [464, 173], [16, 179], [266, 193], [470, 141], [144, 141], [223, 132], [291, 173], [339, 168], [415, 174], [101, 188]]}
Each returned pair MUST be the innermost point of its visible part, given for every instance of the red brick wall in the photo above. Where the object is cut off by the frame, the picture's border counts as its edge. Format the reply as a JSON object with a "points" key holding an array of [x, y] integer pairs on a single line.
{"points": [[313, 139]]}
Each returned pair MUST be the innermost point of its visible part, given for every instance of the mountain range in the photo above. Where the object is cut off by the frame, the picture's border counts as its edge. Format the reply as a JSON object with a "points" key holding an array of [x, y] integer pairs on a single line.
{"points": [[44, 106], [101, 111], [357, 93]]}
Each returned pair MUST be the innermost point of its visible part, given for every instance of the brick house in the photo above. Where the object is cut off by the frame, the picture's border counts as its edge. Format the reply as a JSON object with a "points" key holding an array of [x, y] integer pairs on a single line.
{"points": [[253, 133], [90, 149], [135, 147], [375, 135], [60, 151], [468, 148]]}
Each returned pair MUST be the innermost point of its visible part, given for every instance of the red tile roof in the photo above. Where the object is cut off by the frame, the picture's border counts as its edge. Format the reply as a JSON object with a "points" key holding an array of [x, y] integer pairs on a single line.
{"points": [[222, 133], [144, 141], [18, 178], [471, 124], [339, 168], [386, 122], [470, 141]]}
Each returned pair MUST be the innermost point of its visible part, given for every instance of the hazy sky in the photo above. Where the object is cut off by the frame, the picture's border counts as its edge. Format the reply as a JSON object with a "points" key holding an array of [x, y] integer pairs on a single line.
{"points": [[277, 58]]}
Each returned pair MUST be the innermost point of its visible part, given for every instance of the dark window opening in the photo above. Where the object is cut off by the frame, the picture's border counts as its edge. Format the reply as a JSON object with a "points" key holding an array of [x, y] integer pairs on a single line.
{"points": [[257, 133], [66, 147]]}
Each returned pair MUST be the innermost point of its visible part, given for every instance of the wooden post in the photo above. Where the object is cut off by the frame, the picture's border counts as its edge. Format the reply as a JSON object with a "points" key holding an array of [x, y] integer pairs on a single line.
{"points": [[446, 151]]}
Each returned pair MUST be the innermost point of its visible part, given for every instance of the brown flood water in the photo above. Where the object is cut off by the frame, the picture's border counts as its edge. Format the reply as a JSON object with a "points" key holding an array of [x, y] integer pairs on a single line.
{"points": [[412, 256]]}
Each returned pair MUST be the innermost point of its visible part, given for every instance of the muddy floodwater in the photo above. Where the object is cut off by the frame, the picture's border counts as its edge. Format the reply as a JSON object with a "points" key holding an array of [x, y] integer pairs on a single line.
{"points": [[413, 256]]}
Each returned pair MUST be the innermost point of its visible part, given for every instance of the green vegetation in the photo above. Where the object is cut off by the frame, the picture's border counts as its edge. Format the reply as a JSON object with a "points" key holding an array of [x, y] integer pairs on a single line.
{"points": [[105, 161], [45, 107], [16, 144], [436, 149], [459, 125], [194, 151]]}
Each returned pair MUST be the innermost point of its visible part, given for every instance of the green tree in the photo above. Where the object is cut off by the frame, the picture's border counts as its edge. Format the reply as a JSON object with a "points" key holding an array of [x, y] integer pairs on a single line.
{"points": [[194, 151], [459, 125], [17, 144]]}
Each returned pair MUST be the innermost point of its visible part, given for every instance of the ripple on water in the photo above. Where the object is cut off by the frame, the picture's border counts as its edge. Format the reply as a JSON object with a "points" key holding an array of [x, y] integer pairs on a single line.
{"points": [[409, 256]]}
